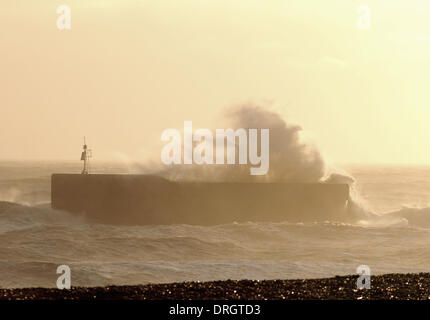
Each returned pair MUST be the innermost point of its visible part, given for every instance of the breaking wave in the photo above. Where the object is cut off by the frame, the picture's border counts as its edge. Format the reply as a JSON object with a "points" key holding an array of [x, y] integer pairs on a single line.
{"points": [[36, 239]]}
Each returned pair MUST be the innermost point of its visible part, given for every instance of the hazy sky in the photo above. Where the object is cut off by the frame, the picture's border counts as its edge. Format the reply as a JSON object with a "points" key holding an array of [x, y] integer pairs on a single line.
{"points": [[129, 69]]}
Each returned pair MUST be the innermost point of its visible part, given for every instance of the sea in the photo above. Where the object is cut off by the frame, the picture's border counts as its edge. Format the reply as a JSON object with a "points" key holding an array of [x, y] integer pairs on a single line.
{"points": [[35, 239]]}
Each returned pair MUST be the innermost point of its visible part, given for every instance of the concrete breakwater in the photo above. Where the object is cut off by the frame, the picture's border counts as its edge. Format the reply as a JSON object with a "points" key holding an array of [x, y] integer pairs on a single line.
{"points": [[148, 199]]}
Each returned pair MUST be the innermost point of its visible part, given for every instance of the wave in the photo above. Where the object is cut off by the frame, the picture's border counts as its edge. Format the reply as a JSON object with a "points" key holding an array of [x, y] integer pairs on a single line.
{"points": [[16, 216], [19, 218], [37, 239], [28, 191], [416, 217]]}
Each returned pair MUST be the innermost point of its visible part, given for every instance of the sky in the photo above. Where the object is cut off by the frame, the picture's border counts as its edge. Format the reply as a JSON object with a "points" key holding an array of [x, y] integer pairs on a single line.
{"points": [[128, 69]]}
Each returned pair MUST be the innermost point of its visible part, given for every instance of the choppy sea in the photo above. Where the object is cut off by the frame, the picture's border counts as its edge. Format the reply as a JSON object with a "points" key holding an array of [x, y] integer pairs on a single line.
{"points": [[35, 240]]}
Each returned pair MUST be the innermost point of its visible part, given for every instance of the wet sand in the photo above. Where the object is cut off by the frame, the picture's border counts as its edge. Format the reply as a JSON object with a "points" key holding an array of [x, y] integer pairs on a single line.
{"points": [[389, 286]]}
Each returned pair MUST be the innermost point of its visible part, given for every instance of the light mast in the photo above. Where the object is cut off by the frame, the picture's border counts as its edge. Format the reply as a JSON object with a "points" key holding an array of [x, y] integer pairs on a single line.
{"points": [[85, 156]]}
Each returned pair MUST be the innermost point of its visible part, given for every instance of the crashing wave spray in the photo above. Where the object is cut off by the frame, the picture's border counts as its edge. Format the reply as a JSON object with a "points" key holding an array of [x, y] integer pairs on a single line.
{"points": [[292, 160]]}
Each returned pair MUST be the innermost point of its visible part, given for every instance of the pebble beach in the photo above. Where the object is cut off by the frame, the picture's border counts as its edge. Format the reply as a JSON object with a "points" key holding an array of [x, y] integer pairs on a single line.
{"points": [[383, 287]]}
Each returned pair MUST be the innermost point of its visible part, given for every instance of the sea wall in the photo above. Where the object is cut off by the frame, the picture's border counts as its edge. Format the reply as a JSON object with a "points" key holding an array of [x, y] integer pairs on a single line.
{"points": [[146, 199]]}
